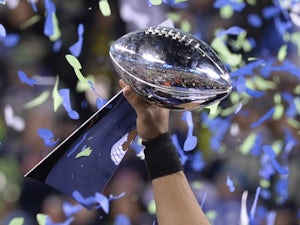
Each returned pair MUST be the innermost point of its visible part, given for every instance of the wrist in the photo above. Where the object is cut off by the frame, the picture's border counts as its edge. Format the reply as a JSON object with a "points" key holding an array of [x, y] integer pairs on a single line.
{"points": [[161, 156]]}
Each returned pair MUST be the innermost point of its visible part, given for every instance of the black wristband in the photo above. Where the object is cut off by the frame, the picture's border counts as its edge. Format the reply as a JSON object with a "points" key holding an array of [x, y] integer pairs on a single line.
{"points": [[161, 156]]}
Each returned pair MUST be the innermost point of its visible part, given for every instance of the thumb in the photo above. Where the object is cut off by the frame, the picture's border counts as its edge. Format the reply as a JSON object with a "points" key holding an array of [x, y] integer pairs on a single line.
{"points": [[134, 99]]}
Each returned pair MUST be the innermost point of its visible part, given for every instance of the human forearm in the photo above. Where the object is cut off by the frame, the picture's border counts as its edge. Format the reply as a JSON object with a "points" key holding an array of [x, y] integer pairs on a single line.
{"points": [[175, 201]]}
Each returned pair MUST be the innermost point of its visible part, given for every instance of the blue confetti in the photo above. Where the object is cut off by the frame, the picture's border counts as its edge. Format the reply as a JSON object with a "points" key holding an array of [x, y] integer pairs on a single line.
{"points": [[203, 200], [270, 12], [25, 79], [230, 184], [136, 146], [50, 10], [97, 201], [33, 6], [270, 218], [267, 170], [290, 141], [265, 117], [247, 69], [234, 30], [75, 49], [67, 222], [85, 201], [291, 110], [2, 31], [122, 219], [100, 102], [282, 26], [71, 209], [237, 6], [281, 188], [241, 84], [10, 40], [47, 136], [182, 155], [266, 70], [254, 205], [65, 95], [256, 149], [197, 162], [218, 127], [103, 202], [254, 20], [176, 4], [288, 66], [254, 93], [191, 141], [57, 45], [271, 154], [265, 194]]}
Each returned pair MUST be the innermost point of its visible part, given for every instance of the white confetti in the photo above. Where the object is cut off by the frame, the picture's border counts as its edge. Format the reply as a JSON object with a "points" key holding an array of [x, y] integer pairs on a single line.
{"points": [[15, 122], [244, 218], [2, 31]]}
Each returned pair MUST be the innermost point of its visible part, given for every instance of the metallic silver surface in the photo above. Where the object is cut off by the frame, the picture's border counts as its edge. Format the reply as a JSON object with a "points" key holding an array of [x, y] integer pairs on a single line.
{"points": [[171, 68]]}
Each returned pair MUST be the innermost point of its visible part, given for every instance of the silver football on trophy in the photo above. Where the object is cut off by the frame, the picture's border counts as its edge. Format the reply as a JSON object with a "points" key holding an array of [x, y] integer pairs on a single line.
{"points": [[171, 68]]}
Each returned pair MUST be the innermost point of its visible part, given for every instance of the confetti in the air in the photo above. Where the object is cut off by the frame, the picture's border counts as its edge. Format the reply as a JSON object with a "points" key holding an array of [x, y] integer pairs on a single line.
{"points": [[244, 218], [10, 40], [47, 136], [234, 30], [122, 219], [2, 31], [272, 31], [268, 115], [57, 99], [33, 5], [44, 219], [230, 184], [13, 121], [197, 161], [182, 155], [191, 140], [38, 100], [17, 221], [290, 141], [51, 28], [155, 2], [65, 95], [248, 143], [74, 62], [267, 149], [101, 200], [254, 205], [75, 49], [104, 8], [254, 20], [71, 209], [25, 79], [50, 11], [270, 218], [235, 4]]}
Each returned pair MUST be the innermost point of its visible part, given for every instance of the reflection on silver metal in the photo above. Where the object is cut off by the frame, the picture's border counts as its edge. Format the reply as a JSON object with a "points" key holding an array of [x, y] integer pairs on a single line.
{"points": [[171, 68]]}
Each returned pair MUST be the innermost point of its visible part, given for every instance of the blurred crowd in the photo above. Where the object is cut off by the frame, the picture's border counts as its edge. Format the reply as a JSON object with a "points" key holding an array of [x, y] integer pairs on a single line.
{"points": [[208, 170]]}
